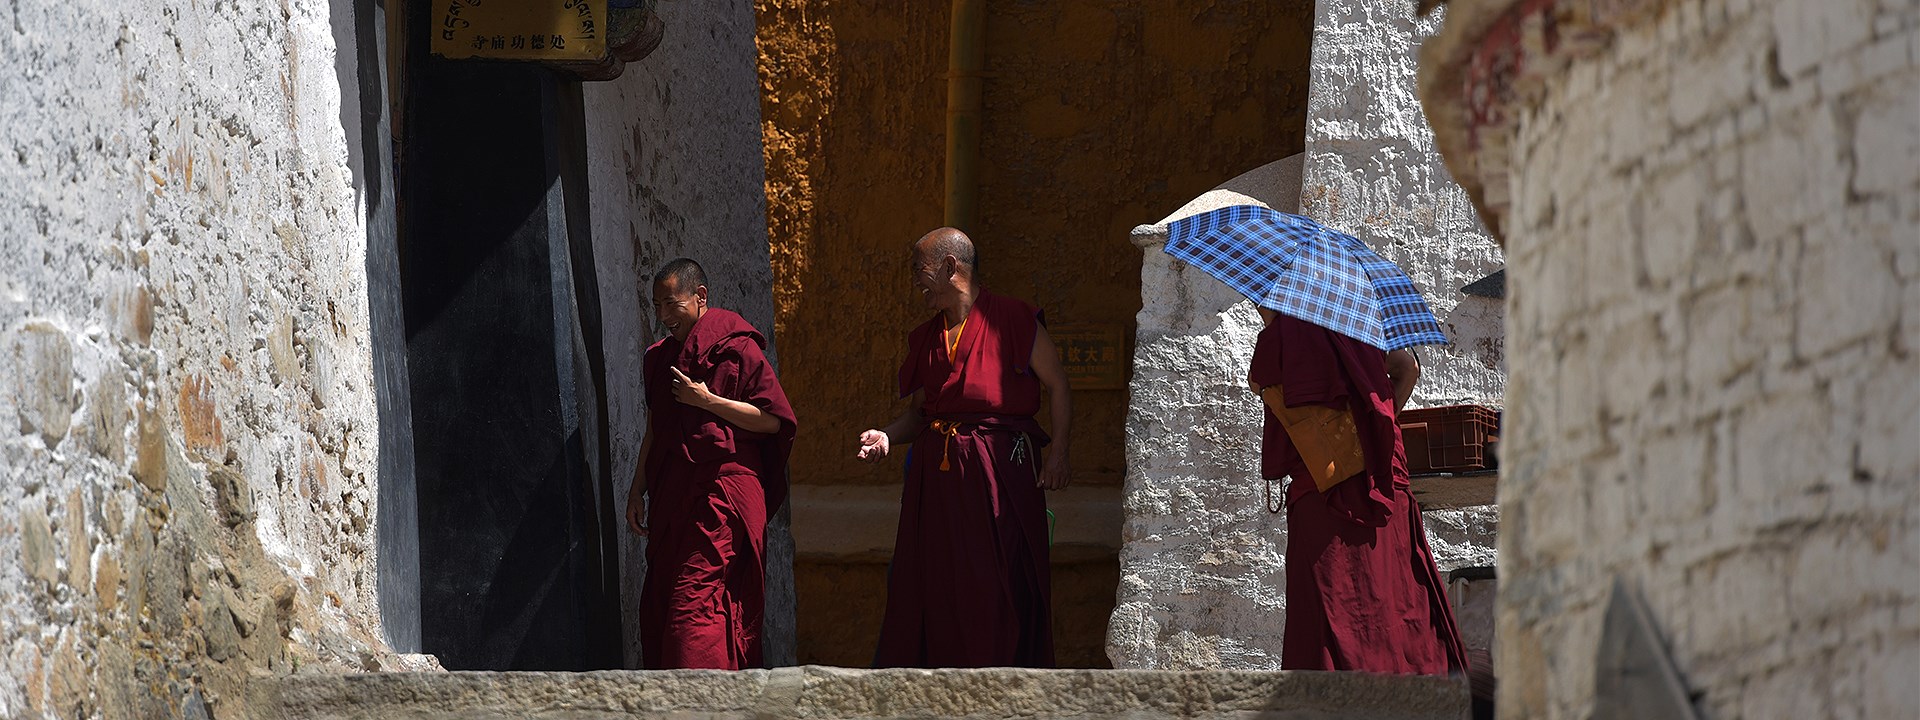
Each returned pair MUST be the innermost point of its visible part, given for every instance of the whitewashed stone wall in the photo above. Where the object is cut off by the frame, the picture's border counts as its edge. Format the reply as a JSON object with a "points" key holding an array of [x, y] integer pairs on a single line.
{"points": [[1202, 567], [1715, 297], [676, 170], [188, 427], [1202, 561]]}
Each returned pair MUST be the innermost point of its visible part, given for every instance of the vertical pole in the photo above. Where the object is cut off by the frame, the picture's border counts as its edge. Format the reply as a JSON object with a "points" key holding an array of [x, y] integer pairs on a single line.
{"points": [[966, 58]]}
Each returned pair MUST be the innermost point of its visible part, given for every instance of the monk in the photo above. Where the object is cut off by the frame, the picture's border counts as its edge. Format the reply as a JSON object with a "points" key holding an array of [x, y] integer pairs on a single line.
{"points": [[970, 584], [1363, 592], [713, 467]]}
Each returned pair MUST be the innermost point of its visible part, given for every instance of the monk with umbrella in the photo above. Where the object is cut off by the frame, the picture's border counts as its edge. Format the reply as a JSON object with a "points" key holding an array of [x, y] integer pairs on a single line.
{"points": [[1332, 368]]}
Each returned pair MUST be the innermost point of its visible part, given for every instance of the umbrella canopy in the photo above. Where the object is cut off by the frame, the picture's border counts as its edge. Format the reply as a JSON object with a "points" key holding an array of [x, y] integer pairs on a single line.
{"points": [[1293, 265]]}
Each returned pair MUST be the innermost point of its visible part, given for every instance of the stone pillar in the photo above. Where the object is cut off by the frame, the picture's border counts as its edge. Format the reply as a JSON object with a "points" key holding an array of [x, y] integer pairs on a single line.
{"points": [[1201, 566]]}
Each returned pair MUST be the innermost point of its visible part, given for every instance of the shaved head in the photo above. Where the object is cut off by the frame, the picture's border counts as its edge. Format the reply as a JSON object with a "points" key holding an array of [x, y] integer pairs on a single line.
{"points": [[948, 241], [686, 274]]}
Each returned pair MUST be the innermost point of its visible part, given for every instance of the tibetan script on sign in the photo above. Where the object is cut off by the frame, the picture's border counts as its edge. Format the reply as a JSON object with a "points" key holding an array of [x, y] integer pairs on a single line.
{"points": [[1094, 355], [521, 29]]}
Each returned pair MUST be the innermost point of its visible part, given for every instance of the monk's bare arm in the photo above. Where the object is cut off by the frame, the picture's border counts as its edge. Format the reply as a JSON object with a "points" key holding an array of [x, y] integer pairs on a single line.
{"points": [[876, 444], [637, 493], [1404, 370], [743, 415], [1056, 473], [906, 427]]}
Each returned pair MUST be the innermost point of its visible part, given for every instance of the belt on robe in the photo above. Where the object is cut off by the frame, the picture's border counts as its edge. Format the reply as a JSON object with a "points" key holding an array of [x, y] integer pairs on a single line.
{"points": [[952, 425]]}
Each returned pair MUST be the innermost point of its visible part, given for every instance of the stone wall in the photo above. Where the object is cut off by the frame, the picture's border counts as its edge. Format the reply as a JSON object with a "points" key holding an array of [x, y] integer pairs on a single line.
{"points": [[188, 429], [1710, 209], [675, 169]]}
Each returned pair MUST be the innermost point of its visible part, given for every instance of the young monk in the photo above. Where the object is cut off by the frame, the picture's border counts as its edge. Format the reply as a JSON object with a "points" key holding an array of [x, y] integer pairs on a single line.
{"points": [[714, 463], [1363, 592], [970, 584]]}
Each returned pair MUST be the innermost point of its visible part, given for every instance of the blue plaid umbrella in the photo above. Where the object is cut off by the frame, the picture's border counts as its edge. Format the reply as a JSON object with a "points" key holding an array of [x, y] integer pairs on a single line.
{"points": [[1298, 267]]}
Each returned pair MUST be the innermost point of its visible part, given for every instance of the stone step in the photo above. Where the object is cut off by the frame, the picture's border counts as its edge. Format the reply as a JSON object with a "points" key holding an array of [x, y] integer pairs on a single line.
{"points": [[831, 692]]}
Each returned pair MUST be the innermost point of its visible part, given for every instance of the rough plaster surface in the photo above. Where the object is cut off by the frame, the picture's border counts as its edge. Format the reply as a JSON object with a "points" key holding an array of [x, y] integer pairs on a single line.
{"points": [[1203, 571], [675, 169], [826, 692], [1713, 290], [188, 429]]}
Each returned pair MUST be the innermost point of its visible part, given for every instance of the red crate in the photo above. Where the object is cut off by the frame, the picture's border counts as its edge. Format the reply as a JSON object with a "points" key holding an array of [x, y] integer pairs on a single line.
{"points": [[1448, 439]]}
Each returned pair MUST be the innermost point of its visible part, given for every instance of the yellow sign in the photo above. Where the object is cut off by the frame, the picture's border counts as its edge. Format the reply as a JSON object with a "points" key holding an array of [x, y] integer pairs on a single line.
{"points": [[1094, 355], [521, 29]]}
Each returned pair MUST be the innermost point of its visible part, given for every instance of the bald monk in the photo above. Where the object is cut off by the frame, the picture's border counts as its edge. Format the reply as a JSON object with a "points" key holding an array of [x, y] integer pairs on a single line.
{"points": [[714, 464], [970, 584], [1363, 592]]}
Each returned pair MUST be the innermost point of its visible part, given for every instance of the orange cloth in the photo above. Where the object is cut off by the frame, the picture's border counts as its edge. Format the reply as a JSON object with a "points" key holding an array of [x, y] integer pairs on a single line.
{"points": [[1324, 437]]}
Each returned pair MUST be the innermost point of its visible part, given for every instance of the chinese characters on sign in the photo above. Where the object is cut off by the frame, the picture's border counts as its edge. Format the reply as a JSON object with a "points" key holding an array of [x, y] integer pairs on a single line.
{"points": [[1094, 355], [521, 29]]}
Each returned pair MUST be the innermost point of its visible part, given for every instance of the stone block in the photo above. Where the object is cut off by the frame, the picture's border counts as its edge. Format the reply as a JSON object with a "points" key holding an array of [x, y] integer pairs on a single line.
{"points": [[107, 417], [1464, 537], [38, 553], [79, 543], [217, 625], [151, 451], [1666, 211], [131, 312], [1886, 138], [1846, 291], [200, 424], [1842, 555], [232, 497], [106, 582], [69, 682], [43, 387], [284, 361], [1710, 88], [1721, 343], [1809, 31]]}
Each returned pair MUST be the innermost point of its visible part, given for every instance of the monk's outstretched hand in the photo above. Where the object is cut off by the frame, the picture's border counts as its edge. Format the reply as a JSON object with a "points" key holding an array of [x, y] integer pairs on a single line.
{"points": [[874, 445], [1054, 474]]}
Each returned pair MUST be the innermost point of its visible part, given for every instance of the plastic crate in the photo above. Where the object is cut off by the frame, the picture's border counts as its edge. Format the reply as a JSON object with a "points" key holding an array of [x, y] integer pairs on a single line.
{"points": [[1448, 439]]}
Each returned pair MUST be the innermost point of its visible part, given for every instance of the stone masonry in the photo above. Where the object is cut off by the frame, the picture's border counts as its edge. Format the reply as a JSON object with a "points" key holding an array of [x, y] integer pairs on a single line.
{"points": [[1711, 211], [188, 426]]}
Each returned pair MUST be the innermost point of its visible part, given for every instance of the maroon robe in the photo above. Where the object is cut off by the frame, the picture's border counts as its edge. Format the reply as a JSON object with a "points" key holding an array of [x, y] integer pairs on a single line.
{"points": [[711, 487], [970, 584], [1362, 589]]}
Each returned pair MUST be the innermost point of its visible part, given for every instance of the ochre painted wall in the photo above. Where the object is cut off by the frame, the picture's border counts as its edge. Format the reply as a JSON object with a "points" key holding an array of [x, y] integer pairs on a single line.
{"points": [[1098, 116]]}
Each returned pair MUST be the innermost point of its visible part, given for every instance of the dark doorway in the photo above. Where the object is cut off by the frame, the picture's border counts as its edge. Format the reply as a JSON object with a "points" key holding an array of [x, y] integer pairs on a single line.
{"points": [[516, 571]]}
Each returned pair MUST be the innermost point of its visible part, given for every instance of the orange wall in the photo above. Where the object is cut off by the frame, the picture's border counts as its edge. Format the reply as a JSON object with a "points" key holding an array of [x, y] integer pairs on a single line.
{"points": [[1098, 116]]}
